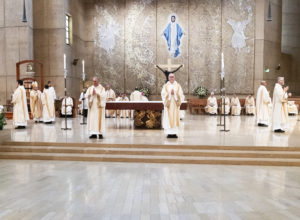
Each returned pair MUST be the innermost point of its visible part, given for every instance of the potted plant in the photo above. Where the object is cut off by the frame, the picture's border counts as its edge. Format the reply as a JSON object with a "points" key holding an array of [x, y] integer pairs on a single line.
{"points": [[146, 91], [2, 118], [201, 92]]}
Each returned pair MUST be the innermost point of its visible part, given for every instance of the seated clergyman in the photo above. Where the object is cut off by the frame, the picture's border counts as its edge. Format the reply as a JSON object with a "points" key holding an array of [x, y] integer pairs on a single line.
{"points": [[67, 106], [123, 113], [235, 105], [292, 108], [250, 105], [212, 105], [226, 104]]}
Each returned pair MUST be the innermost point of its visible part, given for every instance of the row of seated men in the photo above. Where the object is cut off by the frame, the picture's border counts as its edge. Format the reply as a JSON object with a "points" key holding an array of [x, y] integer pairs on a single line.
{"points": [[233, 106], [136, 95]]}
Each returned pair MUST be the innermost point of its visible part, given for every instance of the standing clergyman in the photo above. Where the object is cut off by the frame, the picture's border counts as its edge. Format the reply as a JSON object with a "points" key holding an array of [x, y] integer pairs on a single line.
{"points": [[96, 97], [172, 97], [263, 102], [280, 112], [20, 115]]}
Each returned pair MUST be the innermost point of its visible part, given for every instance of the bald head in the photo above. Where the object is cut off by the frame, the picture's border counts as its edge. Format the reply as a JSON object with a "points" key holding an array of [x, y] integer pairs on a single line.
{"points": [[280, 80], [263, 83]]}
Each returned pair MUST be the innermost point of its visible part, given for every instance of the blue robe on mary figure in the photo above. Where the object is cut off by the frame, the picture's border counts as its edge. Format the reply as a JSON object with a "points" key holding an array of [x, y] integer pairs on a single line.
{"points": [[167, 34]]}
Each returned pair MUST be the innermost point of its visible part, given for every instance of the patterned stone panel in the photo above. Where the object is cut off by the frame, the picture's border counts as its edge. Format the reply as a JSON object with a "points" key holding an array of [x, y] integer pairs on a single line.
{"points": [[140, 44], [164, 9], [238, 45], [205, 44], [108, 55]]}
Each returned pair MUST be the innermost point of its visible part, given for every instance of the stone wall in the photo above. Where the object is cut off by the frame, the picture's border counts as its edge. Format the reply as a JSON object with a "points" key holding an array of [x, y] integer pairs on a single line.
{"points": [[16, 43], [291, 41], [124, 42]]}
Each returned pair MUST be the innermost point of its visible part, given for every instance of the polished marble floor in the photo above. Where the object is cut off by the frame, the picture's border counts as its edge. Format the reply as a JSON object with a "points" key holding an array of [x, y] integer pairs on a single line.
{"points": [[48, 190], [194, 130]]}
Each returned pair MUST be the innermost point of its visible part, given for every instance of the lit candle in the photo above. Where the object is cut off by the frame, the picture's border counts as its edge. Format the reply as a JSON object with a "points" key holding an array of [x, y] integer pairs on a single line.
{"points": [[222, 62], [65, 63], [83, 73]]}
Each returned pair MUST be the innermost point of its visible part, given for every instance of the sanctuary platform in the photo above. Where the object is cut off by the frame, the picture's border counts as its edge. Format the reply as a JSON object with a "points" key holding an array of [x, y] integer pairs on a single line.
{"points": [[200, 142]]}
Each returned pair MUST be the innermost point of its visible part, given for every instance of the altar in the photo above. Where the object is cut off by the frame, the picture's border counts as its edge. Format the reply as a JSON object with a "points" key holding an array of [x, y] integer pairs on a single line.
{"points": [[147, 114]]}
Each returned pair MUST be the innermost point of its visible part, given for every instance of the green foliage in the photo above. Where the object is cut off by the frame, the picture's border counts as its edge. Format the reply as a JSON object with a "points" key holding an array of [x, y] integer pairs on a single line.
{"points": [[146, 91], [2, 120], [201, 92]]}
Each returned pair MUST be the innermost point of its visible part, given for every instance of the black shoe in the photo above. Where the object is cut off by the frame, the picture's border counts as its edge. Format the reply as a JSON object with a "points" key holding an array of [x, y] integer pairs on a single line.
{"points": [[48, 123], [100, 136], [175, 136], [169, 136], [36, 122], [20, 127], [93, 136], [262, 125], [279, 131]]}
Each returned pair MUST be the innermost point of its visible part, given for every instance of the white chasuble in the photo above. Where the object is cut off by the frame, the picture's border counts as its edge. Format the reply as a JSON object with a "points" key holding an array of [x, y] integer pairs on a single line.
{"points": [[96, 110], [171, 115], [48, 106], [280, 111], [20, 114], [263, 102]]}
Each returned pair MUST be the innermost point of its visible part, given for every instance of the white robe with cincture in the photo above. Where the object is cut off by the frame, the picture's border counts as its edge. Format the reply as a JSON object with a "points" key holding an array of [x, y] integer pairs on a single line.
{"points": [[20, 114], [280, 112], [171, 114], [96, 111], [48, 106], [263, 102]]}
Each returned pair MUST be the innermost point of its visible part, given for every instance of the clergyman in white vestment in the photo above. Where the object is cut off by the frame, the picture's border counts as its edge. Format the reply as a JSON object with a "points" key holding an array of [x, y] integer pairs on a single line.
{"points": [[235, 106], [123, 113], [263, 102], [52, 90], [172, 96], [250, 105], [227, 105], [36, 106], [48, 106], [96, 97], [280, 111], [67, 106], [20, 113], [292, 108], [110, 96], [212, 104]]}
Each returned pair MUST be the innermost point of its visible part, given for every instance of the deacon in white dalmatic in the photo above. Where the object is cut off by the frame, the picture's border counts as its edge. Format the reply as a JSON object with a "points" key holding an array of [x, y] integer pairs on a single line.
{"points": [[212, 104], [172, 96], [250, 105], [48, 106], [263, 102], [96, 97], [280, 111], [235, 105], [20, 114], [36, 105]]}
